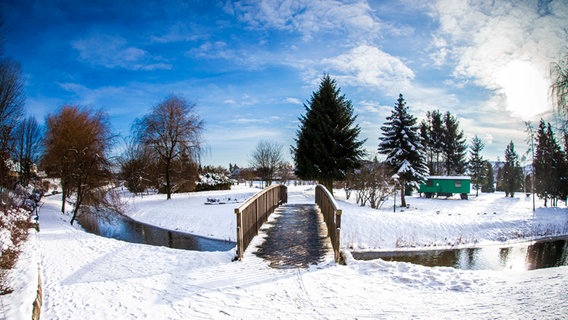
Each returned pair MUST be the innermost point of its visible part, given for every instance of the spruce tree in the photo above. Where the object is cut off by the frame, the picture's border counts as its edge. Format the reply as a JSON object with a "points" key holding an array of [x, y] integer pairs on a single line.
{"points": [[432, 132], [489, 181], [454, 146], [402, 144], [512, 174], [477, 166], [549, 165], [327, 145], [427, 141], [541, 163], [564, 177]]}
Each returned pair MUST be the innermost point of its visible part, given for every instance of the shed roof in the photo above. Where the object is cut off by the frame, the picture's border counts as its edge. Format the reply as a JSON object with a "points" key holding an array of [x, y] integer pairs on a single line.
{"points": [[449, 177]]}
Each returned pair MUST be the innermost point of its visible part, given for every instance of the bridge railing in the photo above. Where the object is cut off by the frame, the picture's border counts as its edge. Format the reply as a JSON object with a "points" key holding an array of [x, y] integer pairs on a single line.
{"points": [[332, 216], [255, 211]]}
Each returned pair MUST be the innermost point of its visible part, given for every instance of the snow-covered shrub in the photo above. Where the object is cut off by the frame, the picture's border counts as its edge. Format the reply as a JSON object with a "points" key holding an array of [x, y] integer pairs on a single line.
{"points": [[11, 223], [213, 181]]}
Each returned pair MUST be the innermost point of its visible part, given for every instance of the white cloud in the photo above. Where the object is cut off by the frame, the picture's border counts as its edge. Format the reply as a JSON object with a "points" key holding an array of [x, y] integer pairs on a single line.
{"points": [[242, 120], [242, 101], [504, 46], [114, 52], [369, 66], [179, 32], [293, 101], [308, 17]]}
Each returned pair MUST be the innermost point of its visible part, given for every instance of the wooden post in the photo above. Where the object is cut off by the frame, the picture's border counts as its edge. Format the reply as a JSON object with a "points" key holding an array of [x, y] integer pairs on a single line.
{"points": [[337, 234], [240, 246]]}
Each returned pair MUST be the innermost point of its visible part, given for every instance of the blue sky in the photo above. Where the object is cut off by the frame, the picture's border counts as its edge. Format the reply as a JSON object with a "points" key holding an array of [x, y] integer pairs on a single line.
{"points": [[250, 65]]}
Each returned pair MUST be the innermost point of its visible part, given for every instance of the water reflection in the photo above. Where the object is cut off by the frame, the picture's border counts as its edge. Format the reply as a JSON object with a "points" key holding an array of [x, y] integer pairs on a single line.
{"points": [[123, 228], [524, 256]]}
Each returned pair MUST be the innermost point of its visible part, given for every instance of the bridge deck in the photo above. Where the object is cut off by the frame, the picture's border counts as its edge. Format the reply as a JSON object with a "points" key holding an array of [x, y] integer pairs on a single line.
{"points": [[296, 238]]}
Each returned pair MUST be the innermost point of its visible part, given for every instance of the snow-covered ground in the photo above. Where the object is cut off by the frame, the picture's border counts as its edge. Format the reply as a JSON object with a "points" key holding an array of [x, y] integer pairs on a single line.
{"points": [[85, 276]]}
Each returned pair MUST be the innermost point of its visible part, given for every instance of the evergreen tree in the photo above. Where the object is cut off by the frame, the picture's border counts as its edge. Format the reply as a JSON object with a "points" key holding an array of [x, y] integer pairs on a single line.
{"points": [[327, 145], [564, 178], [489, 181], [427, 141], [512, 173], [401, 143], [477, 166], [549, 165], [454, 146], [432, 132], [499, 182]]}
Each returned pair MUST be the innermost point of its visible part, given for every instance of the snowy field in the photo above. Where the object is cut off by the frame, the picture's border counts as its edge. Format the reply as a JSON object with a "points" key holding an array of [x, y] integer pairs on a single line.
{"points": [[85, 276]]}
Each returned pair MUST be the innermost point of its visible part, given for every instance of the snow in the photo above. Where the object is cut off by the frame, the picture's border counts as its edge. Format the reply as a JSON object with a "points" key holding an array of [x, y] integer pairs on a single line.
{"points": [[85, 276]]}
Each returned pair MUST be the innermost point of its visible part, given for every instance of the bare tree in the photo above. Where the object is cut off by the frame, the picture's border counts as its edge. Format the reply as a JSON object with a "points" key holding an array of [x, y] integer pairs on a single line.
{"points": [[11, 109], [27, 138], [371, 184], [286, 172], [267, 159], [171, 130], [559, 86], [137, 167], [76, 144]]}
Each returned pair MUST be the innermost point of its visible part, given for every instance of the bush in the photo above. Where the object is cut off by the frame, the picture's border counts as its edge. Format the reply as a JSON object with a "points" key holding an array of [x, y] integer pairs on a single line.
{"points": [[213, 181]]}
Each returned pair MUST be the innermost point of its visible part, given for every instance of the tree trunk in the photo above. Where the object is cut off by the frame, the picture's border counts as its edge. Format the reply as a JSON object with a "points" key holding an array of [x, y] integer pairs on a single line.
{"points": [[168, 186], [402, 198], [74, 214], [328, 184], [63, 197]]}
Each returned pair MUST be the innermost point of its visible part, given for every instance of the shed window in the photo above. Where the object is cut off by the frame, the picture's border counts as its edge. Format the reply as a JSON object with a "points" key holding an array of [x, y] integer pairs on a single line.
{"points": [[429, 183], [458, 184]]}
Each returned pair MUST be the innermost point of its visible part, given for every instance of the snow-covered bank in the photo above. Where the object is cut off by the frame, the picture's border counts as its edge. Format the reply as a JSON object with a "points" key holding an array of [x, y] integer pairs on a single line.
{"points": [[89, 277], [489, 218], [189, 212], [427, 223]]}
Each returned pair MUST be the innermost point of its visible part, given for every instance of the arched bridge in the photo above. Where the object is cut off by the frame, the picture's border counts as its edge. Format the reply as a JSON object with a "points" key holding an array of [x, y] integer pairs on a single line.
{"points": [[298, 236]]}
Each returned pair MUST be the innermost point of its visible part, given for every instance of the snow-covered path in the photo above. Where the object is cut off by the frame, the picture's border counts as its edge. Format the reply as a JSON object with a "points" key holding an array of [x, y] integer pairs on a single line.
{"points": [[90, 277]]}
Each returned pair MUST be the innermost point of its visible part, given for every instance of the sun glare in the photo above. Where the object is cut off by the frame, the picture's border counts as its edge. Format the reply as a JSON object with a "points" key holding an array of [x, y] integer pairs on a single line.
{"points": [[526, 89]]}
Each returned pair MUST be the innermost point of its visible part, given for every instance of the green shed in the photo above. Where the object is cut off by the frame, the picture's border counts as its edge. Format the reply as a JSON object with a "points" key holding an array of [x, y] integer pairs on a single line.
{"points": [[446, 186]]}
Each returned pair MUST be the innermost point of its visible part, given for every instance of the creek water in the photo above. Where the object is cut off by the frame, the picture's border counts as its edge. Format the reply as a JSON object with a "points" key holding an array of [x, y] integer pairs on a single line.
{"points": [[124, 228], [532, 255]]}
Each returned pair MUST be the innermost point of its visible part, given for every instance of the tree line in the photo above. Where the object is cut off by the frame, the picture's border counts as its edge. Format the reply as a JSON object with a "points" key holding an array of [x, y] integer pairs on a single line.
{"points": [[328, 149]]}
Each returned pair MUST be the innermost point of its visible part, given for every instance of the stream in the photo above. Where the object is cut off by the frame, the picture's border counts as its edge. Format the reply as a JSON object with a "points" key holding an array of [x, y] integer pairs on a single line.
{"points": [[546, 253], [124, 228]]}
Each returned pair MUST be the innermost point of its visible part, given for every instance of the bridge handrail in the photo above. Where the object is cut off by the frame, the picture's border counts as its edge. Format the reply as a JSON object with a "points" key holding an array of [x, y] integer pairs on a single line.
{"points": [[255, 211], [332, 216]]}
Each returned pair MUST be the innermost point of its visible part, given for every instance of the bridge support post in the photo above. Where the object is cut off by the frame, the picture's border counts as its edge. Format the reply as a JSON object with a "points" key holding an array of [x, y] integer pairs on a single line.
{"points": [[240, 244]]}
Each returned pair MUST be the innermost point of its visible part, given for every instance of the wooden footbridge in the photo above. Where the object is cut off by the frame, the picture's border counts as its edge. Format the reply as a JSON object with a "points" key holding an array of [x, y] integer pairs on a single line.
{"points": [[297, 238]]}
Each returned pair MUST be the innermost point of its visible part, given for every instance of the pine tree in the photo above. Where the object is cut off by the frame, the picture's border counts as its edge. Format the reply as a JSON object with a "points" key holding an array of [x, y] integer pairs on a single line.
{"points": [[477, 166], [401, 143], [427, 141], [489, 181], [512, 174], [549, 165], [564, 177], [454, 146], [327, 145], [432, 132]]}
